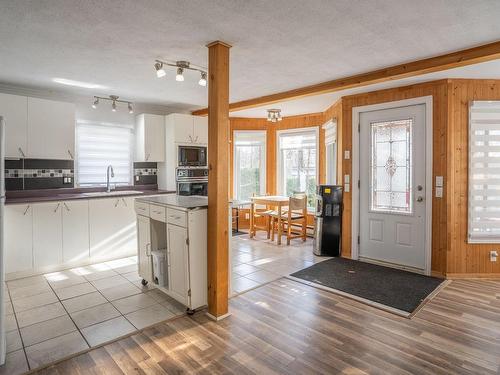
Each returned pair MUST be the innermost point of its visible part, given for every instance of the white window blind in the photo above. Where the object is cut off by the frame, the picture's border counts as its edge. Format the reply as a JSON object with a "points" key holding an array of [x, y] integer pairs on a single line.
{"points": [[249, 164], [484, 171], [100, 145]]}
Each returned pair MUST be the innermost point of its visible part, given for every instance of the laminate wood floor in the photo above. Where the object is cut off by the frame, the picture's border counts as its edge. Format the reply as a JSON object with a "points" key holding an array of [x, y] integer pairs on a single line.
{"points": [[287, 327]]}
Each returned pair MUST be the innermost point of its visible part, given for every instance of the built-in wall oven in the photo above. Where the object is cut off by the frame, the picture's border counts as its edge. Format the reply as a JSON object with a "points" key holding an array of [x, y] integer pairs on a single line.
{"points": [[192, 181], [192, 156]]}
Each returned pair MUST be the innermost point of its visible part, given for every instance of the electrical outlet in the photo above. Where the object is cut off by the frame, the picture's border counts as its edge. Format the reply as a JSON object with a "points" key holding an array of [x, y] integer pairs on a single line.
{"points": [[493, 255]]}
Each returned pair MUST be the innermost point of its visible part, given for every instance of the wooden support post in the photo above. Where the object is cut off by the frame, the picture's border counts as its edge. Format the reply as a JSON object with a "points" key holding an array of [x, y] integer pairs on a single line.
{"points": [[218, 179]]}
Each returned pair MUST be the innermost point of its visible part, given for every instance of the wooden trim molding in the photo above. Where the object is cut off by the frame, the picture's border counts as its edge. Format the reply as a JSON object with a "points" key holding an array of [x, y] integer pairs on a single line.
{"points": [[451, 60]]}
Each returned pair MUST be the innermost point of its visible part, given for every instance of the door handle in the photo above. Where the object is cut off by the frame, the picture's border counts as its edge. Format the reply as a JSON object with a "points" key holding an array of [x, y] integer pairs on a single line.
{"points": [[420, 199]]}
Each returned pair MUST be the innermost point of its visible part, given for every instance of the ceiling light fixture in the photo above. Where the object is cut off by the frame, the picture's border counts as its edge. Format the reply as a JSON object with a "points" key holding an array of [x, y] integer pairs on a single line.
{"points": [[114, 99], [70, 82], [160, 72], [274, 115], [180, 66], [179, 77]]}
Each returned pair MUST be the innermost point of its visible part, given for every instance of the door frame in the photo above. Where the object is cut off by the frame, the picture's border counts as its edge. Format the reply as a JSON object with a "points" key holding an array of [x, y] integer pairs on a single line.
{"points": [[356, 112]]}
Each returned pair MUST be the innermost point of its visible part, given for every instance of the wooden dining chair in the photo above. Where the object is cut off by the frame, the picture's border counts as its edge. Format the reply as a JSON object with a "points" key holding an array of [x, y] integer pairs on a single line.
{"points": [[262, 212], [295, 214]]}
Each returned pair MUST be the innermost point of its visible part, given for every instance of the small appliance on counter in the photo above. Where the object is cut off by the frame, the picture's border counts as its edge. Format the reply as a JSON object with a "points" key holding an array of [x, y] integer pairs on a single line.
{"points": [[328, 221], [192, 181]]}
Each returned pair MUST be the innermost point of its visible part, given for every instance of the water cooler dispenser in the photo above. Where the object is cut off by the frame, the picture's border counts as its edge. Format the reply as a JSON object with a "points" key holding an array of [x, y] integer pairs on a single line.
{"points": [[328, 221]]}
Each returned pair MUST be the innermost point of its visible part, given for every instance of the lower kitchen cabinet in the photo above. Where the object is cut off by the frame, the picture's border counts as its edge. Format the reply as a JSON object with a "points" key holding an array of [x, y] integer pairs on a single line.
{"points": [[18, 238], [75, 240], [144, 247], [47, 235], [178, 262], [112, 226]]}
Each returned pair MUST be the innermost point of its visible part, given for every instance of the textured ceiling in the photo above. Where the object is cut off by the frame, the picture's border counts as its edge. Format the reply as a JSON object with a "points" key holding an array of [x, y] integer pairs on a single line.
{"points": [[277, 45]]}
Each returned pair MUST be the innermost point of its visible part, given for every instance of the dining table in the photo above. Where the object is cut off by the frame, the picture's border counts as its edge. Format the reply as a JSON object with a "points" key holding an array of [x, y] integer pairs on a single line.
{"points": [[277, 201]]}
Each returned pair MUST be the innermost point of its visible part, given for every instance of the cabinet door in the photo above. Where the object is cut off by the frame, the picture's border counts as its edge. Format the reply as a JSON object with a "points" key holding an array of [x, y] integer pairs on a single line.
{"points": [[18, 238], [14, 108], [143, 248], [183, 128], [47, 235], [75, 221], [154, 138], [178, 262], [200, 129], [51, 129], [112, 225]]}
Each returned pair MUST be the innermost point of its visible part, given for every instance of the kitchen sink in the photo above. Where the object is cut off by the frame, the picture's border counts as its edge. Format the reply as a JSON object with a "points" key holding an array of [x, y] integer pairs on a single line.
{"points": [[112, 193]]}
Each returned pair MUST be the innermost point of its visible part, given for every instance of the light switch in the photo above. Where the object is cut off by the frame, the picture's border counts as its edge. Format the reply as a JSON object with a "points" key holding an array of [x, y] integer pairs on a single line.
{"points": [[347, 188], [439, 192], [347, 154], [347, 179], [439, 181]]}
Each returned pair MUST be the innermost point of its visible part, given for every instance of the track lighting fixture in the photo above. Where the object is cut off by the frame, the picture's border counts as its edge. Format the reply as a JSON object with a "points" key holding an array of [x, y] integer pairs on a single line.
{"points": [[114, 99], [179, 77], [180, 66], [274, 115], [203, 79]]}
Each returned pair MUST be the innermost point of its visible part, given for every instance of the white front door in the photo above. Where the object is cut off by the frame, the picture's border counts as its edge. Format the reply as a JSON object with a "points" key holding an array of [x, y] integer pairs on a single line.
{"points": [[392, 186]]}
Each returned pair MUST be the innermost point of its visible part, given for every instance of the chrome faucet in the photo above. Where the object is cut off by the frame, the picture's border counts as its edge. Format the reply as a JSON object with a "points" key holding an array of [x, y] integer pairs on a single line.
{"points": [[108, 173]]}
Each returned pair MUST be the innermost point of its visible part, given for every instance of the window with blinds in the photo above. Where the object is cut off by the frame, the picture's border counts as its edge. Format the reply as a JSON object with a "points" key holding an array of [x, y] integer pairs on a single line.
{"points": [[99, 145], [484, 172]]}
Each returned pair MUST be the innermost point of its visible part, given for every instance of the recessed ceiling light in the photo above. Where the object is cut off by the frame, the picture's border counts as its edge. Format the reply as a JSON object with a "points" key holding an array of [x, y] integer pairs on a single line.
{"points": [[70, 82]]}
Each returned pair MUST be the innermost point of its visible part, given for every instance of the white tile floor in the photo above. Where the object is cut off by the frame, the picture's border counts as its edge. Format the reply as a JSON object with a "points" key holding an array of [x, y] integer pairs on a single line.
{"points": [[52, 316], [258, 260]]}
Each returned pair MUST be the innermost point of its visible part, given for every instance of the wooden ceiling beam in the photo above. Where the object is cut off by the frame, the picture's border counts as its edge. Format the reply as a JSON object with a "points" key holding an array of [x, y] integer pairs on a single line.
{"points": [[447, 61]]}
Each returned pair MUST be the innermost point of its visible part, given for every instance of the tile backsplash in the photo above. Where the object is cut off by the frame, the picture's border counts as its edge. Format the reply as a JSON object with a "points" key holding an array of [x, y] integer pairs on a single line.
{"points": [[145, 173], [29, 174]]}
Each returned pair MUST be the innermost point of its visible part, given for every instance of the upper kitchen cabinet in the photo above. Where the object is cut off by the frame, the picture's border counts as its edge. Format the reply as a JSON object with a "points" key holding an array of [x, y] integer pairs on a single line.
{"points": [[187, 129], [150, 138], [51, 129], [14, 109]]}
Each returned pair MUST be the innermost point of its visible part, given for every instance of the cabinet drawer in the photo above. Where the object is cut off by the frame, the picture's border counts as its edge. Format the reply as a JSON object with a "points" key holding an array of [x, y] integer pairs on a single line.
{"points": [[142, 208], [176, 217], [157, 213]]}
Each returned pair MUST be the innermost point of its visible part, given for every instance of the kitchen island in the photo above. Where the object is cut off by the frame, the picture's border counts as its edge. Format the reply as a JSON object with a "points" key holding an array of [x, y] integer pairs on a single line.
{"points": [[172, 246]]}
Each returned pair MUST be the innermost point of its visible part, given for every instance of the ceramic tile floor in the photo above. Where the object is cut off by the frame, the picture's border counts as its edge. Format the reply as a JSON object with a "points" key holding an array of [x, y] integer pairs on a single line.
{"points": [[258, 260], [52, 316]]}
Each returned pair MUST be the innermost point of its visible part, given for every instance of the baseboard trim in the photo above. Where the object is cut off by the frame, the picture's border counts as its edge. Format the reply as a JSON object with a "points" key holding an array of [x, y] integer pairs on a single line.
{"points": [[217, 318], [456, 276]]}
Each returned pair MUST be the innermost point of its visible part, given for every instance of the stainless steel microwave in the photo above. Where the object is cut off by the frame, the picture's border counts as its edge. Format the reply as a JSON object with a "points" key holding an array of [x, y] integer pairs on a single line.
{"points": [[192, 156]]}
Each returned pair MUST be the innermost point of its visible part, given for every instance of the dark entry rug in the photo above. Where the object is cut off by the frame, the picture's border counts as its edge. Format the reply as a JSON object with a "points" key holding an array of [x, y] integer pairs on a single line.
{"points": [[397, 289]]}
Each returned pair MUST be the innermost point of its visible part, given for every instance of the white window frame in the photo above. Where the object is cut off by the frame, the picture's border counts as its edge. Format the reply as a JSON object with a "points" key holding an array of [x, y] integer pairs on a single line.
{"points": [[131, 150], [279, 162], [263, 163], [472, 236]]}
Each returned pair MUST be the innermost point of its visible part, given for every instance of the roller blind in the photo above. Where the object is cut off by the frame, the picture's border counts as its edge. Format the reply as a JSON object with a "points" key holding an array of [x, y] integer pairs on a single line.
{"points": [[100, 145], [484, 172]]}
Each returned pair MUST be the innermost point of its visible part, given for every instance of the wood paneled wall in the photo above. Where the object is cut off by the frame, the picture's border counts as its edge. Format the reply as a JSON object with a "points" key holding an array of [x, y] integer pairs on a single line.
{"points": [[451, 254]]}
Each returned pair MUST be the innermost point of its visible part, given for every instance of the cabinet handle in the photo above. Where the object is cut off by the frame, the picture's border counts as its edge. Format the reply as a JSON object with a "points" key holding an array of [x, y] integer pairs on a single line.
{"points": [[196, 139], [66, 207], [70, 155], [147, 157], [117, 201], [57, 207], [26, 210], [124, 202], [191, 139], [148, 246], [21, 152]]}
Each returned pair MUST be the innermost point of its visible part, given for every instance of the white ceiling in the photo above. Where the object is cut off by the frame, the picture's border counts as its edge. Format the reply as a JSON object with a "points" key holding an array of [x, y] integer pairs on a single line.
{"points": [[277, 45]]}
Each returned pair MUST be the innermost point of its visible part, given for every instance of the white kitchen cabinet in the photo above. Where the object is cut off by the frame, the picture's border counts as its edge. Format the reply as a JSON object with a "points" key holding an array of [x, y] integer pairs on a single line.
{"points": [[75, 238], [200, 129], [112, 227], [150, 138], [178, 267], [14, 110], [47, 235], [144, 248], [18, 238], [51, 129]]}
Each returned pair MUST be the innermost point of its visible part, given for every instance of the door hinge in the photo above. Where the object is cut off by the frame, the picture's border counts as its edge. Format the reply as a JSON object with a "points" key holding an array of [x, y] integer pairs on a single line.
{"points": [[359, 126], [189, 292], [358, 240], [187, 241]]}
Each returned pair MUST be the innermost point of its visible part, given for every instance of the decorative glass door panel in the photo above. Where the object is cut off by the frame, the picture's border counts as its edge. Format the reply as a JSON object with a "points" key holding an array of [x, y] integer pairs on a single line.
{"points": [[391, 166]]}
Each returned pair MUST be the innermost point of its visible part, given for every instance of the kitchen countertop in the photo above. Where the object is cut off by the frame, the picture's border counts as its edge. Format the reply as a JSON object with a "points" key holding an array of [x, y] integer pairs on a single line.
{"points": [[51, 195], [173, 200]]}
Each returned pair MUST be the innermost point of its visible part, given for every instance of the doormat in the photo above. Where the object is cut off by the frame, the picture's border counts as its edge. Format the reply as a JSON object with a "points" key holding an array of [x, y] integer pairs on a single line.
{"points": [[391, 289]]}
